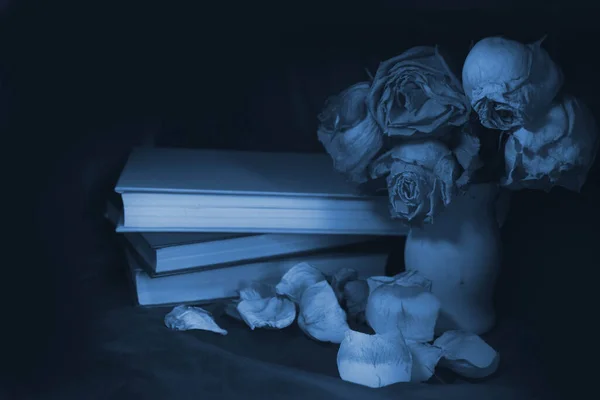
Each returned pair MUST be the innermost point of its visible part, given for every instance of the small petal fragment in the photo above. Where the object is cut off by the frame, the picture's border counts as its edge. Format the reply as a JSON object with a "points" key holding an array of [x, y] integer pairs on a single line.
{"points": [[183, 318]]}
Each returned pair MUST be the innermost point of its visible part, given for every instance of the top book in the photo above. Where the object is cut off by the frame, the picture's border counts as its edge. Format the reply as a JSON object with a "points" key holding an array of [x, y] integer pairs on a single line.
{"points": [[202, 171]]}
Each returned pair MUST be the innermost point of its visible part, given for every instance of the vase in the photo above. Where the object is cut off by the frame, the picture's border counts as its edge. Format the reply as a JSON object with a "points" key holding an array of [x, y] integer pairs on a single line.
{"points": [[460, 253]]}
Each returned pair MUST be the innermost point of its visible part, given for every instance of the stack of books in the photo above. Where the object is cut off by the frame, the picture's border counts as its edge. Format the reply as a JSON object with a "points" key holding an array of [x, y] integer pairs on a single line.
{"points": [[198, 225]]}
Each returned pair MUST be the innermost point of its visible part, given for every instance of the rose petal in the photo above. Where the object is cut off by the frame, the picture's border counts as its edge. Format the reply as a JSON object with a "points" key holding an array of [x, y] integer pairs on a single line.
{"points": [[374, 360], [425, 154], [321, 316], [466, 152], [295, 281], [349, 133], [257, 290], [412, 278], [375, 281], [412, 310], [558, 150], [356, 294], [274, 312], [231, 310], [340, 279], [467, 354], [425, 358], [183, 318], [407, 278]]}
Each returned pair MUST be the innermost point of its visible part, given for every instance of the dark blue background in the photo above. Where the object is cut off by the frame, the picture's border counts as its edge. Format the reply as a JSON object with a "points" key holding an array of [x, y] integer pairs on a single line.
{"points": [[81, 82]]}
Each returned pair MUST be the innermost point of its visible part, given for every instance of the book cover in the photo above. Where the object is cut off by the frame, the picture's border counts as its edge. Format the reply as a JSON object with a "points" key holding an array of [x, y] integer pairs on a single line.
{"points": [[205, 171], [220, 284]]}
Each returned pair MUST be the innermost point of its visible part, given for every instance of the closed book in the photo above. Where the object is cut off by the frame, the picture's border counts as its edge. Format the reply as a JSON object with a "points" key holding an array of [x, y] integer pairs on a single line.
{"points": [[185, 190], [223, 283], [177, 252]]}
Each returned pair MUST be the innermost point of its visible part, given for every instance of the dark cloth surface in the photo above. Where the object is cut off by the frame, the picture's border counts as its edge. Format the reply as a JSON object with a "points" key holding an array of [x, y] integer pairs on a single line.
{"points": [[136, 357], [116, 350]]}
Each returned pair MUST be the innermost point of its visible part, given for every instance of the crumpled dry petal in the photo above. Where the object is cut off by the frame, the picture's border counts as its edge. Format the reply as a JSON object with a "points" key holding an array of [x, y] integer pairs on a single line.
{"points": [[407, 278], [467, 354], [321, 316], [340, 279], [375, 281], [231, 310], [412, 278], [183, 318], [510, 84], [556, 150], [466, 151], [349, 133], [425, 358], [257, 290], [374, 360], [272, 312], [297, 279], [412, 310]]}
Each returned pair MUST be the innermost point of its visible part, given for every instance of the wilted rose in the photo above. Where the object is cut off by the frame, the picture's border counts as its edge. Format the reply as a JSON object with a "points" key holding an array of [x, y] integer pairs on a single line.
{"points": [[557, 150], [421, 179], [416, 95], [349, 133], [509, 83]]}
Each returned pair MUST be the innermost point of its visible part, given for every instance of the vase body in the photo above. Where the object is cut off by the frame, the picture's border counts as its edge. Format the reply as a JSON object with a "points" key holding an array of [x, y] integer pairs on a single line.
{"points": [[461, 254]]}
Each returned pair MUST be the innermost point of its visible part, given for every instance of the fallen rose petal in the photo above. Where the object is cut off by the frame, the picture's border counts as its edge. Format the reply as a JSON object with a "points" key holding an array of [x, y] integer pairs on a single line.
{"points": [[375, 281], [257, 290], [231, 310], [295, 281], [467, 354], [184, 318], [340, 279], [374, 360], [412, 279], [425, 358], [321, 316], [273, 312], [356, 294], [412, 310]]}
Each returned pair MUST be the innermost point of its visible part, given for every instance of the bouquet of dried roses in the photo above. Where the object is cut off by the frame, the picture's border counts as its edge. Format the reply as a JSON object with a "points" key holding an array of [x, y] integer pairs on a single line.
{"points": [[412, 125]]}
